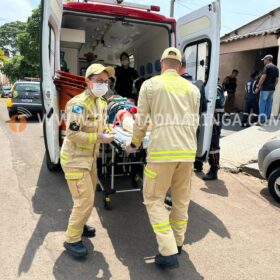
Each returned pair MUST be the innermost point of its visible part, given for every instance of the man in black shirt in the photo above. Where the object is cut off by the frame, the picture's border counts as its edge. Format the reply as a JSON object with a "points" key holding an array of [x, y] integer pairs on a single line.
{"points": [[229, 85], [125, 75], [266, 86]]}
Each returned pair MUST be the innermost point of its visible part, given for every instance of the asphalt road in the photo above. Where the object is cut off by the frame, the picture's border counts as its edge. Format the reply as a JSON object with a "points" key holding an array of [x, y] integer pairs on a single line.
{"points": [[233, 230]]}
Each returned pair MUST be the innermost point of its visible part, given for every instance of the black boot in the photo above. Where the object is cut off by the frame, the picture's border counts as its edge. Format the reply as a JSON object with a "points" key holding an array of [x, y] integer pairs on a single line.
{"points": [[88, 231], [211, 175], [77, 249], [179, 249], [198, 166], [166, 262]]}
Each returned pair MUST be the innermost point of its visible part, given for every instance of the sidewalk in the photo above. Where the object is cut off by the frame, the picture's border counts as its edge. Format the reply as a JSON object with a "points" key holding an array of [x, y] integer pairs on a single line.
{"points": [[241, 148]]}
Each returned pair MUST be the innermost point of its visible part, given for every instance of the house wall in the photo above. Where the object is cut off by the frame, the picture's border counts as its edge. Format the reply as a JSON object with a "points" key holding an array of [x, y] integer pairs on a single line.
{"points": [[245, 63]]}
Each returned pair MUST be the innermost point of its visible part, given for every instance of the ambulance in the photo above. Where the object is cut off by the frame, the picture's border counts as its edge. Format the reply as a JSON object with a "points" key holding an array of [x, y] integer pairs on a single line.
{"points": [[106, 28]]}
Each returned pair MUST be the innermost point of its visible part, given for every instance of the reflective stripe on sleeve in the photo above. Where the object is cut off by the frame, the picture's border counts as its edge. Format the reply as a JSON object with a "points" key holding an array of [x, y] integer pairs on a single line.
{"points": [[74, 175], [85, 147], [63, 156], [92, 138]]}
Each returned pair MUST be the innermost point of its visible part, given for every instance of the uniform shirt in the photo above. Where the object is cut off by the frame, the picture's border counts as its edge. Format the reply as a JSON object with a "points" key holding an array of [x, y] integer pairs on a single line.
{"points": [[230, 84], [85, 118], [272, 73], [172, 105], [124, 80], [250, 88]]}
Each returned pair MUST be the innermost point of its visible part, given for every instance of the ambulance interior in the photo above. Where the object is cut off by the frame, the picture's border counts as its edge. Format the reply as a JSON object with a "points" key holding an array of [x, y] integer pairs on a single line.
{"points": [[107, 38]]}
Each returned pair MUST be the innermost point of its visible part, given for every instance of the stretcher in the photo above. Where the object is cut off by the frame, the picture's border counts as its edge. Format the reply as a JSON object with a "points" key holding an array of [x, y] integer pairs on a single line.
{"points": [[115, 162]]}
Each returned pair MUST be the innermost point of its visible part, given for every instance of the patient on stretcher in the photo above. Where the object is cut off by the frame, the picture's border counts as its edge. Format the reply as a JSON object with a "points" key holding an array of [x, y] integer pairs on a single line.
{"points": [[121, 113]]}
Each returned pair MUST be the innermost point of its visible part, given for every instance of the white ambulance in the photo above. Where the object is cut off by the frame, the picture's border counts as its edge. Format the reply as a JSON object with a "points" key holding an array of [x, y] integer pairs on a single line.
{"points": [[107, 28]]}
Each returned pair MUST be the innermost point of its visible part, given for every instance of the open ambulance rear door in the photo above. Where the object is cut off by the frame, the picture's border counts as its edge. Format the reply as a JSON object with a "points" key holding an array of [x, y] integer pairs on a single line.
{"points": [[50, 62], [198, 38]]}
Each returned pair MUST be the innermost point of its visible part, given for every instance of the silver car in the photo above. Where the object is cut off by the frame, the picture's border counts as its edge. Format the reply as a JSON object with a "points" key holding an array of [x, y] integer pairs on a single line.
{"points": [[269, 166]]}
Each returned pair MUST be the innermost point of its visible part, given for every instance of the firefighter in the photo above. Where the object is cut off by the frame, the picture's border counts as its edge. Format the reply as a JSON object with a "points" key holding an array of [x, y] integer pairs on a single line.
{"points": [[172, 104], [86, 116], [214, 154]]}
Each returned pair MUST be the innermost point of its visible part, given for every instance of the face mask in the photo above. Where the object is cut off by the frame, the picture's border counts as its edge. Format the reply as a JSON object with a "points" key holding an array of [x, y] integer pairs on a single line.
{"points": [[125, 62], [99, 89]]}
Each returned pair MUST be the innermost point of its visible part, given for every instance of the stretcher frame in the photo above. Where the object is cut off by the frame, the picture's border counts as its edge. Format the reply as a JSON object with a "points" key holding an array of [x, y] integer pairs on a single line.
{"points": [[116, 149]]}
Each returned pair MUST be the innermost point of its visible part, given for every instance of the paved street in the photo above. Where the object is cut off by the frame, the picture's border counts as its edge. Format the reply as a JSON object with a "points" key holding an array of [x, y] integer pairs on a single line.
{"points": [[233, 228]]}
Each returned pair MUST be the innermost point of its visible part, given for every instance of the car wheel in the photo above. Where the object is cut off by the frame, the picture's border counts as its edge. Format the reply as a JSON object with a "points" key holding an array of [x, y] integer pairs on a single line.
{"points": [[51, 166], [274, 184]]}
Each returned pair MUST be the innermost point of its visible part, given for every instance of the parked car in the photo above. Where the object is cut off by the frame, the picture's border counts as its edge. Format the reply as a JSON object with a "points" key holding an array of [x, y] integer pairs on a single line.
{"points": [[269, 166], [5, 91], [26, 99]]}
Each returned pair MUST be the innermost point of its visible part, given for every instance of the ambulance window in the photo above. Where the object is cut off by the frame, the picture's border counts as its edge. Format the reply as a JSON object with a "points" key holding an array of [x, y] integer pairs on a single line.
{"points": [[52, 49], [197, 56]]}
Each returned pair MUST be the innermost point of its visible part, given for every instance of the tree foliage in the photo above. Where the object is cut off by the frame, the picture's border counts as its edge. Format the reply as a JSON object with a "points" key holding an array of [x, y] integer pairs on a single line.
{"points": [[8, 36], [2, 56], [26, 59]]}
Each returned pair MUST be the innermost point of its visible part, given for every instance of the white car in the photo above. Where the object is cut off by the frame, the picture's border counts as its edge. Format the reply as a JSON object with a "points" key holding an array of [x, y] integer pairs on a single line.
{"points": [[269, 166]]}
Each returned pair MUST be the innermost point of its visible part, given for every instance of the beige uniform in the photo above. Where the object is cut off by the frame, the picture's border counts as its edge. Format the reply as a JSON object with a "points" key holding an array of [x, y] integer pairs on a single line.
{"points": [[172, 104], [86, 116]]}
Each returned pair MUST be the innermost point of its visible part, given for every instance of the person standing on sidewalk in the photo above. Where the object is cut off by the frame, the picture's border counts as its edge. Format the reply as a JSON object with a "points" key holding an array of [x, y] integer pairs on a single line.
{"points": [[229, 86], [250, 101], [86, 115], [266, 86], [172, 104], [214, 154]]}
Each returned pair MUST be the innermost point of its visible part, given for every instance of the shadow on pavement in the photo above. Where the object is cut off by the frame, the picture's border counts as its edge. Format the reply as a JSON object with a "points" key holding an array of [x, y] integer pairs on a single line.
{"points": [[134, 241], [266, 194], [93, 266], [53, 202], [217, 187]]}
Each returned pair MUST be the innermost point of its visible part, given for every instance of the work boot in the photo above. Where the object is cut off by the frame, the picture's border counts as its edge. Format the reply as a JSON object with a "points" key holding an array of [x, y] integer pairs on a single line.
{"points": [[77, 249], [166, 262], [88, 231], [198, 166], [211, 175], [179, 249]]}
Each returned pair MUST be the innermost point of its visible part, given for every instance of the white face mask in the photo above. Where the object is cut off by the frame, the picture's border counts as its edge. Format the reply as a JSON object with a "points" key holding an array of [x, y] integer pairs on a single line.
{"points": [[99, 89], [125, 62]]}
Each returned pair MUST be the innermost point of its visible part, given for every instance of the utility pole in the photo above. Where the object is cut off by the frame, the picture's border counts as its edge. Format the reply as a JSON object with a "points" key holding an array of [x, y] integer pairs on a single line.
{"points": [[172, 2]]}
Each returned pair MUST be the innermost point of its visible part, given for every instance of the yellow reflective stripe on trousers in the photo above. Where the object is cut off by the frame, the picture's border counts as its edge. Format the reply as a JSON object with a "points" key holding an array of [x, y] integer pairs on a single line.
{"points": [[161, 227], [74, 175], [149, 173], [63, 161], [74, 232], [178, 224], [172, 154]]}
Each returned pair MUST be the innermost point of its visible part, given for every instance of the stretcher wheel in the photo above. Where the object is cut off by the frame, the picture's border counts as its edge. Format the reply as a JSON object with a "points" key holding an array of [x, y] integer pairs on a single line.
{"points": [[107, 203]]}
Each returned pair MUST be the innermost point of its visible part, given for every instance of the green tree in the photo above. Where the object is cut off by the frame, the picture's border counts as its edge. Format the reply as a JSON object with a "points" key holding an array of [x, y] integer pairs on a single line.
{"points": [[8, 36], [13, 68], [2, 56], [29, 43], [27, 63]]}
